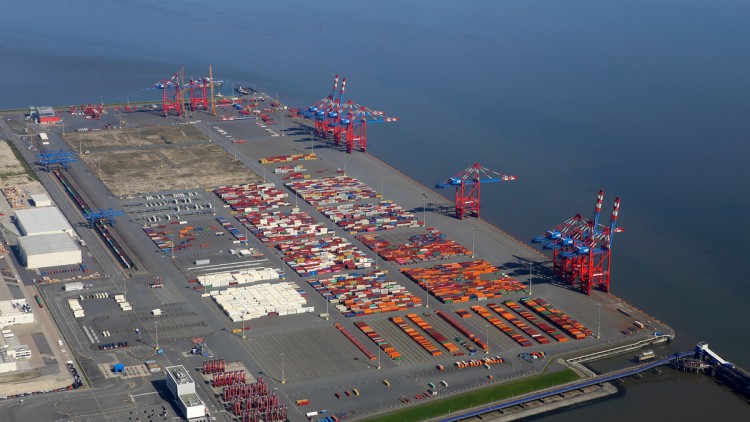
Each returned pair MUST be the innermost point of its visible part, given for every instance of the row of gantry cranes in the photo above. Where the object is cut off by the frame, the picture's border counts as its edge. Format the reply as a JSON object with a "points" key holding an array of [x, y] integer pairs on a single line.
{"points": [[581, 246]]}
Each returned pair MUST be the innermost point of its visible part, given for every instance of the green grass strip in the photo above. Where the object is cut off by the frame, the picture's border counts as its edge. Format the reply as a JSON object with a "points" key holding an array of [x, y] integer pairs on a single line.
{"points": [[434, 409]]}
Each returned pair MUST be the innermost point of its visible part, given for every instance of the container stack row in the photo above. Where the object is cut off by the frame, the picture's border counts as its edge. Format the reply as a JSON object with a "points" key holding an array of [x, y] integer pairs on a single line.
{"points": [[332, 254], [569, 325], [437, 335], [279, 226], [243, 276], [420, 247], [526, 328], [416, 336], [289, 169], [463, 281], [379, 340], [237, 233], [76, 308], [161, 238], [463, 330], [252, 197], [365, 294], [124, 304], [288, 158], [356, 342], [550, 330], [360, 218], [259, 300], [510, 332], [332, 190], [293, 172]]}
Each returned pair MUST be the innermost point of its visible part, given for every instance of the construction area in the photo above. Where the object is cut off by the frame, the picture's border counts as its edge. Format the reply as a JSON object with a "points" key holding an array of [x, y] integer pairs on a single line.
{"points": [[294, 277]]}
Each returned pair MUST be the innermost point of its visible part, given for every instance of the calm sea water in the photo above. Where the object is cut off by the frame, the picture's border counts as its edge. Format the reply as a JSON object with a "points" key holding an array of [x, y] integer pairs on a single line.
{"points": [[648, 100]]}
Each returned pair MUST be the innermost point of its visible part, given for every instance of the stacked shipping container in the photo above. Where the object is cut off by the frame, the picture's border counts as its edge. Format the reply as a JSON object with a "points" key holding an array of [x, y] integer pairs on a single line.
{"points": [[288, 158], [569, 325], [255, 301], [332, 190], [437, 335], [279, 226], [550, 330], [462, 282], [356, 342], [510, 332], [358, 218], [365, 294], [332, 254], [252, 197], [530, 331], [244, 276], [419, 338], [421, 247], [379, 340], [463, 330]]}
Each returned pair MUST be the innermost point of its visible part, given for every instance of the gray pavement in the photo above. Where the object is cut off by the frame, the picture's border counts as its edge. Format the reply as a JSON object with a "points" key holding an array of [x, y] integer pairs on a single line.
{"points": [[318, 361]]}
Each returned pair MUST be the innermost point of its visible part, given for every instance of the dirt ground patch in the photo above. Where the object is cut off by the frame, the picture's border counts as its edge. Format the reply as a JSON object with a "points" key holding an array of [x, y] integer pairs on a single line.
{"points": [[178, 167], [12, 171], [19, 376], [158, 135]]}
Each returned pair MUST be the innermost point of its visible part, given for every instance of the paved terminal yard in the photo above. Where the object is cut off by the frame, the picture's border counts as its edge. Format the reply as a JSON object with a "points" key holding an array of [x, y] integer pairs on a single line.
{"points": [[303, 356]]}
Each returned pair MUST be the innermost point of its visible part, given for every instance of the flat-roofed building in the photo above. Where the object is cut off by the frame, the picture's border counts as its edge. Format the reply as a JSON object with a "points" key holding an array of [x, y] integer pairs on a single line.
{"points": [[45, 220], [182, 387], [15, 311], [49, 250], [41, 200]]}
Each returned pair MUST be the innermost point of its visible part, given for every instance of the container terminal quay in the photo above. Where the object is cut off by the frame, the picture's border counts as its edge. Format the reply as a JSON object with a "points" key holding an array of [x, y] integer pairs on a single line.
{"points": [[227, 257]]}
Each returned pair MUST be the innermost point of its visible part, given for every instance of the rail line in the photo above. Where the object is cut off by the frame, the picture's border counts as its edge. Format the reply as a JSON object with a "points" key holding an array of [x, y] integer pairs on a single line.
{"points": [[99, 225]]}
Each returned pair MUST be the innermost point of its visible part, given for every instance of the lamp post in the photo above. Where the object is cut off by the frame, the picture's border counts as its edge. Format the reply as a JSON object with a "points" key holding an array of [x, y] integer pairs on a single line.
{"points": [[424, 210], [598, 319], [487, 337], [427, 285], [473, 254], [382, 192], [283, 379], [243, 326], [378, 357], [530, 277]]}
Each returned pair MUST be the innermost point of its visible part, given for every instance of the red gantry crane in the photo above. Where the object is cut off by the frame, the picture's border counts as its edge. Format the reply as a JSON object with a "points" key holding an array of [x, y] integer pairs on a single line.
{"points": [[346, 121], [468, 187], [198, 92], [582, 249], [170, 88]]}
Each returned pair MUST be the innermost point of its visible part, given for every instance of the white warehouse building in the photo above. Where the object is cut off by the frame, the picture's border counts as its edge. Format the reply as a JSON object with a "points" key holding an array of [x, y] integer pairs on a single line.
{"points": [[15, 311], [45, 220], [182, 387], [49, 250]]}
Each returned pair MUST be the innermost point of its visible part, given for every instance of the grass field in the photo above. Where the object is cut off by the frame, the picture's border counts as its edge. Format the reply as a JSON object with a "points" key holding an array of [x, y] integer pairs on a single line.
{"points": [[433, 409]]}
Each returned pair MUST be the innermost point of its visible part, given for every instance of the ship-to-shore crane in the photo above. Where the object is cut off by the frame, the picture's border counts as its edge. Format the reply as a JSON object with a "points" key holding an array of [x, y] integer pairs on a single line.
{"points": [[468, 187]]}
